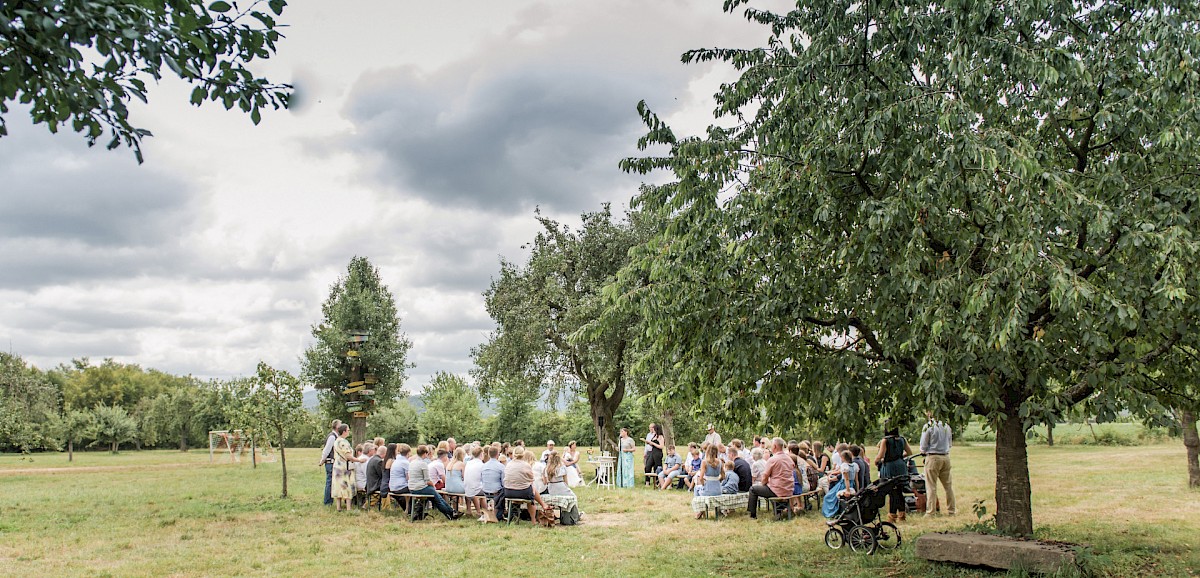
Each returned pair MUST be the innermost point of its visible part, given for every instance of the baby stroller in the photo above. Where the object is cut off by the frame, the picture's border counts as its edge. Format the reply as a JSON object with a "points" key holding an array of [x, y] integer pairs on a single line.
{"points": [[857, 522], [914, 490]]}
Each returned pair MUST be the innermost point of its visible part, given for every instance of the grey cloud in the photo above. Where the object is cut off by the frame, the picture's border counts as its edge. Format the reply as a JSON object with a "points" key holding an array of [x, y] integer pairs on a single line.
{"points": [[545, 125], [56, 189]]}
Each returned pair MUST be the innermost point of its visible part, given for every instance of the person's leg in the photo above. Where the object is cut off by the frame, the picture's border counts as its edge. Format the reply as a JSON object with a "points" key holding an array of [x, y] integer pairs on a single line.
{"points": [[933, 466], [757, 491], [499, 504], [947, 484], [437, 500], [328, 484]]}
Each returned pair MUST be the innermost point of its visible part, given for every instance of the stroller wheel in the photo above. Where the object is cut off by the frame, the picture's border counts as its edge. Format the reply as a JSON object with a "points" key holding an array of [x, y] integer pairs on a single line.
{"points": [[861, 539], [887, 536], [834, 538]]}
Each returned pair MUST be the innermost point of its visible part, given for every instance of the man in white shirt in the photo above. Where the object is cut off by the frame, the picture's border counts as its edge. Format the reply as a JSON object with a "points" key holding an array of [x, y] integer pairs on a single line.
{"points": [[935, 444], [713, 438], [549, 450]]}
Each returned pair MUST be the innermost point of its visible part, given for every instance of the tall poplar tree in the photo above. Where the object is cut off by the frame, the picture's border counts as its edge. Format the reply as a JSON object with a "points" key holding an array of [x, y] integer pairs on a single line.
{"points": [[357, 302]]}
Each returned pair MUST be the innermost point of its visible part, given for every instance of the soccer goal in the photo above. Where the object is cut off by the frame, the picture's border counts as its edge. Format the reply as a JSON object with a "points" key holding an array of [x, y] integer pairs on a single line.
{"points": [[234, 445]]}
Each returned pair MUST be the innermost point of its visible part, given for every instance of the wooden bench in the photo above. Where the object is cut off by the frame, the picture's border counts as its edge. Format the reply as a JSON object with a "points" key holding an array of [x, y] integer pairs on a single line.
{"points": [[453, 499], [509, 510], [413, 500], [780, 507], [650, 479]]}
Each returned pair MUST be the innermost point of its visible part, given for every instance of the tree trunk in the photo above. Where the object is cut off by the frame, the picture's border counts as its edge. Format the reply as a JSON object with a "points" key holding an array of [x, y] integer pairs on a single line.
{"points": [[70, 451], [1050, 433], [668, 427], [1191, 440], [183, 445], [358, 425], [114, 447], [253, 454], [1014, 510], [602, 420], [283, 462]]}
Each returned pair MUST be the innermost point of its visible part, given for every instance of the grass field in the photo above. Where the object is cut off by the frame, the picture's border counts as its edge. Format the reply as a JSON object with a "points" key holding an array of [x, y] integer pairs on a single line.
{"points": [[163, 513]]}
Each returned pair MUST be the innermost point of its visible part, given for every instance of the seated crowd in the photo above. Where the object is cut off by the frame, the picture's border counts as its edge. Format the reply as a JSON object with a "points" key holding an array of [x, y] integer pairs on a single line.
{"points": [[771, 468], [479, 477]]}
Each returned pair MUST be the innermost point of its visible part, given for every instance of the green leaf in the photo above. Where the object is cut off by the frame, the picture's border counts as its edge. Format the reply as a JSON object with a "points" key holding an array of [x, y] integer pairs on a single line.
{"points": [[220, 7]]}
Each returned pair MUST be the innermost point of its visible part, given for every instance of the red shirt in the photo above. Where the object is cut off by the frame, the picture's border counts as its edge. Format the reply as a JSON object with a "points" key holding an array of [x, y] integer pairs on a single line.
{"points": [[779, 474]]}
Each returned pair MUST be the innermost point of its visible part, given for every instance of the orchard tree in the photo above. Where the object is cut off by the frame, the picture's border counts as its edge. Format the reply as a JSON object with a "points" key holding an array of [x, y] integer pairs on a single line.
{"points": [[358, 302], [112, 426], [78, 64], [451, 408], [542, 307], [977, 208], [271, 403], [75, 426], [29, 406]]}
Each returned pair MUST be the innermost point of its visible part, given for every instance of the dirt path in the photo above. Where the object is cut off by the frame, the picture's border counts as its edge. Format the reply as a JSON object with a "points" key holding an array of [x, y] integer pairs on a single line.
{"points": [[88, 469]]}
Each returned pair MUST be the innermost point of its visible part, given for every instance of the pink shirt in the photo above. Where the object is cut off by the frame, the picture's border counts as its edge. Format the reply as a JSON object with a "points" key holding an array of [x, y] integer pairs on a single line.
{"points": [[779, 474]]}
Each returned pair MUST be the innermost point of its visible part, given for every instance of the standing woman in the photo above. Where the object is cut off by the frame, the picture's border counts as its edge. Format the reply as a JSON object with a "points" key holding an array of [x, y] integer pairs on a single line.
{"points": [[343, 473], [625, 469], [654, 449], [890, 460]]}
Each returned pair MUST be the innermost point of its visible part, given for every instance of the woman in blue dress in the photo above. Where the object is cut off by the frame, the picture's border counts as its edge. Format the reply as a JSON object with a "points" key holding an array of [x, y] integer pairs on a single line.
{"points": [[454, 473], [713, 475], [625, 465]]}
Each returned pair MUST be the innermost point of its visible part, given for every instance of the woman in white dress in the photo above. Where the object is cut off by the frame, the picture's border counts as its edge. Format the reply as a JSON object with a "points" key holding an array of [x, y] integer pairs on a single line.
{"points": [[571, 463]]}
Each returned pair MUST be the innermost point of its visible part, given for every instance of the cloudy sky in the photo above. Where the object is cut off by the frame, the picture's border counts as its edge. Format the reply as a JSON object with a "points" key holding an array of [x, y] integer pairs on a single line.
{"points": [[424, 136]]}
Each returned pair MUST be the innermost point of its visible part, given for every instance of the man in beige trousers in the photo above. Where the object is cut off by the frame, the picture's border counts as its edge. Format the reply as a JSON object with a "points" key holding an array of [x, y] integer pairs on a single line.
{"points": [[935, 444]]}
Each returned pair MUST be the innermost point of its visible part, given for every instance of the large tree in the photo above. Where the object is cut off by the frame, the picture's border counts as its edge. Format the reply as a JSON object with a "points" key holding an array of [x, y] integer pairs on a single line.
{"points": [[983, 208], [542, 307], [79, 64], [29, 406], [451, 409], [358, 302]]}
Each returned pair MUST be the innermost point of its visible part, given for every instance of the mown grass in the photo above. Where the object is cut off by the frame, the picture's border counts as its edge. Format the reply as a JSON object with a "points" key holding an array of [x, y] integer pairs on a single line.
{"points": [[166, 513]]}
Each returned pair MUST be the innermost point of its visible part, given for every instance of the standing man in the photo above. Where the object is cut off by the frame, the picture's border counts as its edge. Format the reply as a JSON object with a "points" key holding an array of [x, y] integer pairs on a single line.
{"points": [[776, 481], [935, 444], [713, 438], [327, 460]]}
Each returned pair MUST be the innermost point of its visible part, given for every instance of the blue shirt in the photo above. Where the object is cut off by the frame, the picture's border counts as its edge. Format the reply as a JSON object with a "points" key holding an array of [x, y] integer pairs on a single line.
{"points": [[730, 485], [399, 481], [492, 475]]}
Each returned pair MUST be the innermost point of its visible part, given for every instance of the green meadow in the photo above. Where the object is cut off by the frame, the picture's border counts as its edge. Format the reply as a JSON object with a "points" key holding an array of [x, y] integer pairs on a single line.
{"points": [[166, 513]]}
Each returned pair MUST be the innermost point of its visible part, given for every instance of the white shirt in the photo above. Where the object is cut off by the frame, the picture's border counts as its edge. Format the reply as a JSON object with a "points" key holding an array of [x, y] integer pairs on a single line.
{"points": [[744, 454], [649, 438], [713, 439], [473, 478]]}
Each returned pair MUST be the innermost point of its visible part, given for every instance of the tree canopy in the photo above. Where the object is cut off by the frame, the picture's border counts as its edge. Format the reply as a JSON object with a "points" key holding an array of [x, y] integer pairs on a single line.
{"points": [[79, 64], [977, 208], [451, 408], [360, 302], [542, 307]]}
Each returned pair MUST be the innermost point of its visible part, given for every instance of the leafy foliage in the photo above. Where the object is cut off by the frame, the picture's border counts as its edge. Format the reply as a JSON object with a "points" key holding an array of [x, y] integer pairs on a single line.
{"points": [[111, 426], [541, 309], [398, 423], [29, 406], [357, 302], [451, 409], [984, 208], [79, 64], [271, 404]]}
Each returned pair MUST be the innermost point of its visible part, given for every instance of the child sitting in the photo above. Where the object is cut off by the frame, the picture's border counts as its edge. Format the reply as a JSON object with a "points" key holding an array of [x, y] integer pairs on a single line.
{"points": [[759, 465], [730, 485], [848, 471]]}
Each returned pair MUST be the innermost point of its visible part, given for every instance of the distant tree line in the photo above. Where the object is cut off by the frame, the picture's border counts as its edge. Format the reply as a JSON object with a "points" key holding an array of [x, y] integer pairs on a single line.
{"points": [[111, 405]]}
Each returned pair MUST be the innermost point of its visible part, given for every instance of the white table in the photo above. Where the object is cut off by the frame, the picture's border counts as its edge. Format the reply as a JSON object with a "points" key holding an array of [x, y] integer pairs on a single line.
{"points": [[606, 471]]}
